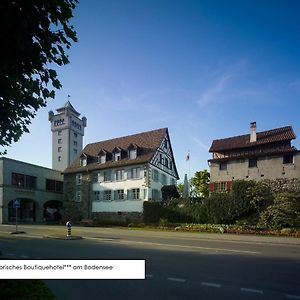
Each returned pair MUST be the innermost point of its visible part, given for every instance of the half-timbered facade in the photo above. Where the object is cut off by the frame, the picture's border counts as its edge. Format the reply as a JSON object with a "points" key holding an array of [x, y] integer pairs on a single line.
{"points": [[255, 156], [116, 176]]}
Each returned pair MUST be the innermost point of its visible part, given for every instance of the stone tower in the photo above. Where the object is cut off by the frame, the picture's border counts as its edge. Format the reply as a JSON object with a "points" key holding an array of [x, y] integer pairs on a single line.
{"points": [[67, 135]]}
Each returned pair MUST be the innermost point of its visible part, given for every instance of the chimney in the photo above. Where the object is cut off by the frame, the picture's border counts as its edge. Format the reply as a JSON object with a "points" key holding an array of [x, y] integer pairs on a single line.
{"points": [[252, 132]]}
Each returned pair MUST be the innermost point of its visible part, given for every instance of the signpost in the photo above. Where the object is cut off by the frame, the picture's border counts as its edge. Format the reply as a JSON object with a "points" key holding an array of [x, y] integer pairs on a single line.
{"points": [[16, 205]]}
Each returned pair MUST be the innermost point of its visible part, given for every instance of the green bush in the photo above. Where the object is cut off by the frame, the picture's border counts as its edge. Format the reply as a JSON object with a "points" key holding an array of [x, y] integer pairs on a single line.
{"points": [[285, 212]]}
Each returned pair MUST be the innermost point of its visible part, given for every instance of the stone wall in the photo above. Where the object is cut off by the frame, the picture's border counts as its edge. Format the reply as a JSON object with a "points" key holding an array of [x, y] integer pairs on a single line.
{"points": [[110, 217]]}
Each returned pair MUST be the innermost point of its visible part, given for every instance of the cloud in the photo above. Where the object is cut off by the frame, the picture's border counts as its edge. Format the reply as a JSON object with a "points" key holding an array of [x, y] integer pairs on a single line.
{"points": [[200, 143], [213, 93]]}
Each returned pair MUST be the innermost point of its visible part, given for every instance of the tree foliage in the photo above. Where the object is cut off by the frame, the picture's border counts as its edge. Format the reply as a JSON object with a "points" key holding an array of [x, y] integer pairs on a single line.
{"points": [[200, 183], [34, 37]]}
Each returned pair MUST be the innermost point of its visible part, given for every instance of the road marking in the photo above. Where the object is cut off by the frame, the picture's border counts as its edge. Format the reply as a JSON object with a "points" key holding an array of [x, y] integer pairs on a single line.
{"points": [[211, 284], [292, 296], [184, 246], [176, 279], [248, 290], [149, 276]]}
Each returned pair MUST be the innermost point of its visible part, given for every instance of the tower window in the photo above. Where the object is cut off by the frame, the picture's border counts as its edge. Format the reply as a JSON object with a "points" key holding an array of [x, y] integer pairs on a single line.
{"points": [[75, 143], [75, 135], [59, 132], [59, 149], [59, 158], [223, 166], [59, 141]]}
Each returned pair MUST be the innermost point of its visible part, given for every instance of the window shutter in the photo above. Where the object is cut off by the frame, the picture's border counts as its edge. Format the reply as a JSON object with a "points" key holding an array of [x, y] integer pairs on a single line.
{"points": [[128, 194], [129, 174], [115, 195]]}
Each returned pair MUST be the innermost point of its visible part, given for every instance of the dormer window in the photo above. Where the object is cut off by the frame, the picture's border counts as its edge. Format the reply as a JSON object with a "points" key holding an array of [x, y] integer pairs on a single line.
{"points": [[117, 154], [132, 151], [83, 160], [102, 159]]}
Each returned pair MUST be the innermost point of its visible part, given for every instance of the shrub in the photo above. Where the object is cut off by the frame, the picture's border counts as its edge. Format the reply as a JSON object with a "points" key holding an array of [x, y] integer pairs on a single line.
{"points": [[285, 212]]}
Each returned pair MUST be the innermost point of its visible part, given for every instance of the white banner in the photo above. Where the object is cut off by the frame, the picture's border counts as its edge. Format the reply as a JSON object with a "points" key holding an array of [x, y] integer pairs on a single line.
{"points": [[72, 269]]}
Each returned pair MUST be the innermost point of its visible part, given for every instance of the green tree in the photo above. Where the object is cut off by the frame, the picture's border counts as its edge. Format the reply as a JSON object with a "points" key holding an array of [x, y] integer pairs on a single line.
{"points": [[180, 189], [34, 37], [200, 183]]}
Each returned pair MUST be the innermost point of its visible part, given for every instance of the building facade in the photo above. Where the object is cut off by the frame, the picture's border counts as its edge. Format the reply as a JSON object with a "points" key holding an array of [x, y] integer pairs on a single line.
{"points": [[114, 177], [255, 156], [67, 135], [38, 189]]}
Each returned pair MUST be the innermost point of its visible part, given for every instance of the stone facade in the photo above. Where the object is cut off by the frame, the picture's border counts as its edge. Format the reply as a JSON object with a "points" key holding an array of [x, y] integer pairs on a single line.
{"points": [[38, 188]]}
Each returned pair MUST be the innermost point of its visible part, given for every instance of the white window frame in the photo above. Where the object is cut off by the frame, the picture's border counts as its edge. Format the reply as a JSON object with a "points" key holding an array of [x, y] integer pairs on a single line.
{"points": [[96, 195], [135, 194], [83, 161], [78, 179], [120, 174], [78, 196], [132, 154], [119, 194], [107, 195], [136, 173]]}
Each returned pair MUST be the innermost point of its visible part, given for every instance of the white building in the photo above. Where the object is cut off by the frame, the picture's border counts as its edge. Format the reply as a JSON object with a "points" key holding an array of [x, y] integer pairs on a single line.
{"points": [[116, 176], [67, 135]]}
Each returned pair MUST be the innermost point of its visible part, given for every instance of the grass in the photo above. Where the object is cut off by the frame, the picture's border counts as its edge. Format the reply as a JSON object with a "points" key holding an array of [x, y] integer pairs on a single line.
{"points": [[25, 290]]}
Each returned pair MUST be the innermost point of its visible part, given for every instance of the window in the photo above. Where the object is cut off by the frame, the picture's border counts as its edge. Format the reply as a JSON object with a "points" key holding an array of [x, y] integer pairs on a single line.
{"points": [[163, 179], [54, 185], [117, 156], [83, 161], [155, 175], [155, 194], [288, 159], [59, 132], [119, 174], [75, 151], [119, 195], [75, 143], [135, 194], [107, 195], [223, 166], [220, 186], [135, 173], [59, 149], [96, 195], [78, 196], [252, 162], [107, 175], [103, 159], [78, 179], [59, 141], [23, 181], [132, 154], [75, 135], [59, 158]]}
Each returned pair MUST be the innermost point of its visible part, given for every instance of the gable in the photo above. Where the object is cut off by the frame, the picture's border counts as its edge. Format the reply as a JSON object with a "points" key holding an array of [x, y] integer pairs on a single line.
{"points": [[163, 157]]}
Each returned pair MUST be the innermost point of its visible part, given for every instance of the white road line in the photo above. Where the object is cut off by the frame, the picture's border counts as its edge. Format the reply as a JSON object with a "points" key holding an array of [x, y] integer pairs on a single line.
{"points": [[292, 296], [176, 279], [149, 276], [248, 290], [211, 284], [174, 246]]}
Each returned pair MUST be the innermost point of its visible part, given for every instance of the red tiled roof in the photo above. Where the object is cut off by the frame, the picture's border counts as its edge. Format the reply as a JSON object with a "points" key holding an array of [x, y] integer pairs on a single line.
{"points": [[147, 143], [243, 141]]}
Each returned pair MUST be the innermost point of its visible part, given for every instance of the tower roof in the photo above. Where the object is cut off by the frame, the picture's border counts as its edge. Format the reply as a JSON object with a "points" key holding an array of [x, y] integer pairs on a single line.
{"points": [[69, 106]]}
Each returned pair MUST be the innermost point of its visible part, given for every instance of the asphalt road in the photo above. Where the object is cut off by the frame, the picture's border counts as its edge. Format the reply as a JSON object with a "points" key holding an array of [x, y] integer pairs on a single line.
{"points": [[178, 265]]}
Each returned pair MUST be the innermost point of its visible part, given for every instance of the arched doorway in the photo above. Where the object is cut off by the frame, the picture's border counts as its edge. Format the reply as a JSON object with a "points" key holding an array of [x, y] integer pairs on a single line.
{"points": [[26, 212], [53, 210]]}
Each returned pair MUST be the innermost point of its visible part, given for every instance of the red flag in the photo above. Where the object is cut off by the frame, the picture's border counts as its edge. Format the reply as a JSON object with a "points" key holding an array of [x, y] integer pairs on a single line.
{"points": [[187, 157]]}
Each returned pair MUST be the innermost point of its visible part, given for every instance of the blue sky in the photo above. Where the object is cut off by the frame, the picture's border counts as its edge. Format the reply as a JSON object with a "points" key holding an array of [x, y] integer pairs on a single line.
{"points": [[204, 69]]}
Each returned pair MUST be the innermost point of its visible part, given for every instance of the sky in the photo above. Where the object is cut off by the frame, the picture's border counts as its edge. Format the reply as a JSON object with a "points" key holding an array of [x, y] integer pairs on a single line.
{"points": [[204, 69]]}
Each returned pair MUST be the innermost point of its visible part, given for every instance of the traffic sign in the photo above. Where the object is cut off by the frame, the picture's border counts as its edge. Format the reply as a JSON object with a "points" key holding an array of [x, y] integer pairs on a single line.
{"points": [[16, 203]]}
